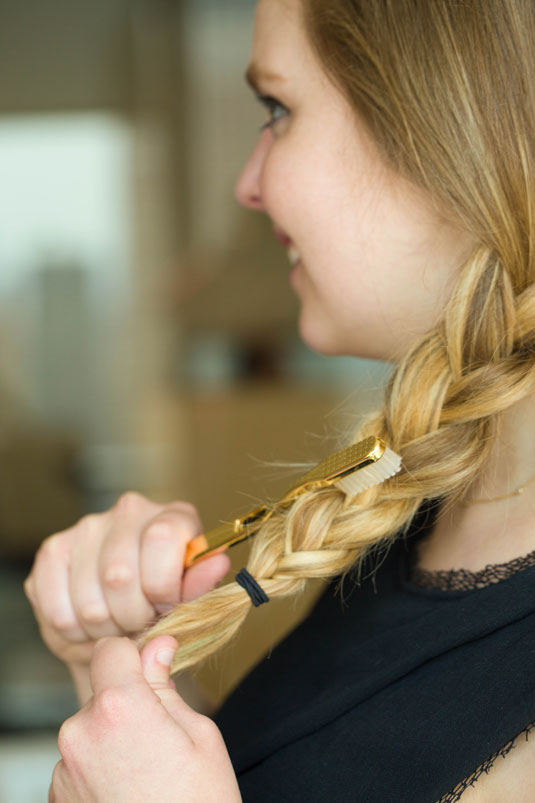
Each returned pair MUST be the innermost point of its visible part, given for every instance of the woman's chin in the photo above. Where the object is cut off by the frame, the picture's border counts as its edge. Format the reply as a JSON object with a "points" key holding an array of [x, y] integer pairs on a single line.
{"points": [[324, 340], [317, 338]]}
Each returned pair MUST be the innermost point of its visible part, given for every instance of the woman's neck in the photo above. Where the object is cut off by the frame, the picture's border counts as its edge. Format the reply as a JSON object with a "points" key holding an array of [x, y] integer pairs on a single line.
{"points": [[472, 535]]}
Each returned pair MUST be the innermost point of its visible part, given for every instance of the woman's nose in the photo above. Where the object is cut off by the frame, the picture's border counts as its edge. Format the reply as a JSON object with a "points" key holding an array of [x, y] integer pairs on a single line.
{"points": [[248, 186]]}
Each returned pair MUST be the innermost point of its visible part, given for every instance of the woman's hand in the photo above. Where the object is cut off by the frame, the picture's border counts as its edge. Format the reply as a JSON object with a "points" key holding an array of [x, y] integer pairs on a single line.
{"points": [[114, 572], [137, 741]]}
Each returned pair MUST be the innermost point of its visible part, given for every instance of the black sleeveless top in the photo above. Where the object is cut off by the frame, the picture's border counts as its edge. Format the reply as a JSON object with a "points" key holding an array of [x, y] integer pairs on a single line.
{"points": [[403, 689]]}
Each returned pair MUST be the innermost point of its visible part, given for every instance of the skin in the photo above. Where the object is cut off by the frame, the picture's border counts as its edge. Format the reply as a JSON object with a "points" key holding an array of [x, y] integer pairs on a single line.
{"points": [[112, 573], [364, 234], [377, 262], [104, 742]]}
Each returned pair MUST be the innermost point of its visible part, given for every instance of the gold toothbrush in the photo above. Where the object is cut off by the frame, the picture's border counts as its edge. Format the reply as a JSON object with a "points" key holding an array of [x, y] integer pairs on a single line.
{"points": [[353, 470]]}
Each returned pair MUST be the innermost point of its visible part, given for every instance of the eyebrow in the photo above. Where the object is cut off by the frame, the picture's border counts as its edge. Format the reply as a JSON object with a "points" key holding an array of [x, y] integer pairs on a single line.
{"points": [[255, 75]]}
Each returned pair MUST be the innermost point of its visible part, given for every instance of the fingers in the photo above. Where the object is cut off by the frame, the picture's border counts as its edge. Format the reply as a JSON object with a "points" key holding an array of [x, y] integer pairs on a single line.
{"points": [[162, 553], [84, 586], [203, 576], [115, 664], [121, 676], [113, 572], [47, 588], [119, 571]]}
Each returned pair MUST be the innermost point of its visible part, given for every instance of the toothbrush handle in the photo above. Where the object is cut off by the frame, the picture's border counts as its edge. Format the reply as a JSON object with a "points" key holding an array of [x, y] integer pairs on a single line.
{"points": [[220, 538], [203, 546]]}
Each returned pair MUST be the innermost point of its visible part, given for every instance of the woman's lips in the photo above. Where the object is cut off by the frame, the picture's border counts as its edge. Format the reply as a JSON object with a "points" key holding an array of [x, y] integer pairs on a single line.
{"points": [[283, 238], [293, 254]]}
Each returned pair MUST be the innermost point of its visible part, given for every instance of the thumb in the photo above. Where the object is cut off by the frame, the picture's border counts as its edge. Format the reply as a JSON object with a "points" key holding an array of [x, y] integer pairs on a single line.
{"points": [[156, 659]]}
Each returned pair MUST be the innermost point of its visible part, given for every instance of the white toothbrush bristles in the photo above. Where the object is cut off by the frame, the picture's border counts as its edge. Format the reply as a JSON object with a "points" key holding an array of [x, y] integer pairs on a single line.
{"points": [[364, 478]]}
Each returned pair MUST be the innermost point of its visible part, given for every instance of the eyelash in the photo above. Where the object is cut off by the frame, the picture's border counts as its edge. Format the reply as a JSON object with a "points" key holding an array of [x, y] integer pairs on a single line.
{"points": [[271, 104]]}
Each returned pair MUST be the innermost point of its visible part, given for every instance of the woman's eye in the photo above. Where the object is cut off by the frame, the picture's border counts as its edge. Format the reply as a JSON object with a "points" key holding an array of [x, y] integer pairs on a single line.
{"points": [[275, 110]]}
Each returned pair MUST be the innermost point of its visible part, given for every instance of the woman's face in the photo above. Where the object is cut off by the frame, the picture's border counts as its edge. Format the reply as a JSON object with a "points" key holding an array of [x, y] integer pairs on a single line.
{"points": [[373, 262]]}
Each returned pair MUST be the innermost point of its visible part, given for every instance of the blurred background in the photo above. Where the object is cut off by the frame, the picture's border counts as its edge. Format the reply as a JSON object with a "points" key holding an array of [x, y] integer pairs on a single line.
{"points": [[147, 329]]}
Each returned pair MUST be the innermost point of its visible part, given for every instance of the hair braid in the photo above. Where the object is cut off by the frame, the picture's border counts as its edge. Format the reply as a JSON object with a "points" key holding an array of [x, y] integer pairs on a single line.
{"points": [[441, 413], [447, 92]]}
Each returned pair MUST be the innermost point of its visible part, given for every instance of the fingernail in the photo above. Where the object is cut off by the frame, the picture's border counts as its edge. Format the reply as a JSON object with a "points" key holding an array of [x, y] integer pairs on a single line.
{"points": [[165, 656]]}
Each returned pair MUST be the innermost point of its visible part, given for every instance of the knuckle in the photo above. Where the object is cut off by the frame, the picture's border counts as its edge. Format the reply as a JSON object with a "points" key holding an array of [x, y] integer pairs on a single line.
{"points": [[171, 526], [206, 731], [190, 511], [67, 738], [118, 576], [86, 527], [28, 589], [130, 502], [110, 705], [61, 621], [87, 522], [94, 613], [50, 547], [163, 530]]}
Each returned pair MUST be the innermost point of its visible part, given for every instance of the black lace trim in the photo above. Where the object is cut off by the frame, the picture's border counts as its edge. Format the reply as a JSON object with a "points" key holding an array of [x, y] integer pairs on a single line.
{"points": [[455, 794], [465, 580]]}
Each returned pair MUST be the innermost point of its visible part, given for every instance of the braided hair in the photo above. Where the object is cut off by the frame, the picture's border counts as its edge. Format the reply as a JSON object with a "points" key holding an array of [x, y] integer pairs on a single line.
{"points": [[446, 90]]}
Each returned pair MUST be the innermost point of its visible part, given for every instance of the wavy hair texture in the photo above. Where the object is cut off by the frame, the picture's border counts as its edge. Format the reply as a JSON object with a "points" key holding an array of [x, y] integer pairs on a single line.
{"points": [[446, 90]]}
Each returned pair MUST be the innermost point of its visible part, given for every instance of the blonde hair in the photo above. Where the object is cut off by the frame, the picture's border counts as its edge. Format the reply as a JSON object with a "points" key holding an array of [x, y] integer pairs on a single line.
{"points": [[446, 90]]}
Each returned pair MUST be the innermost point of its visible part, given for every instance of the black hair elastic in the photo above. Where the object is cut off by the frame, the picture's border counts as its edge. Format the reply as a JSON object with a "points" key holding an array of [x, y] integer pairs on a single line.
{"points": [[257, 594]]}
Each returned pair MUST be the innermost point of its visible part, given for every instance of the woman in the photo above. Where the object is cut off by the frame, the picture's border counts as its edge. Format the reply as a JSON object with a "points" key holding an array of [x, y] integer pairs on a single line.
{"points": [[397, 165]]}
